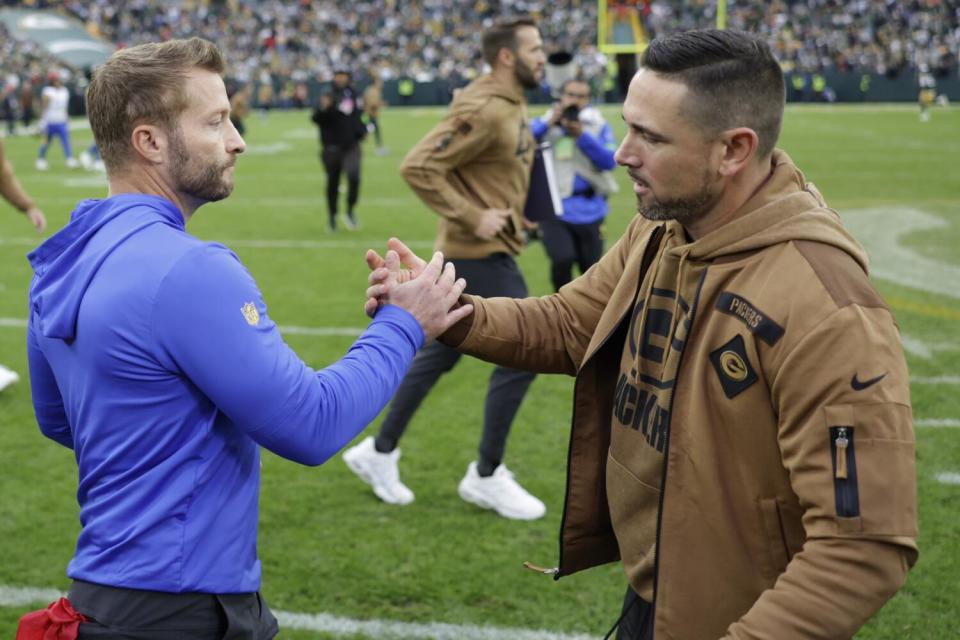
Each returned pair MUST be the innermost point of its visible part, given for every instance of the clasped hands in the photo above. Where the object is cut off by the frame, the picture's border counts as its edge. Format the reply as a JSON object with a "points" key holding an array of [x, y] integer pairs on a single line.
{"points": [[427, 290]]}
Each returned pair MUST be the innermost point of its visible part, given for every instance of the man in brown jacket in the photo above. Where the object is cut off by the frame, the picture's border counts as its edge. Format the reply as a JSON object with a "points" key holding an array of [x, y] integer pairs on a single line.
{"points": [[13, 193], [473, 170], [742, 438]]}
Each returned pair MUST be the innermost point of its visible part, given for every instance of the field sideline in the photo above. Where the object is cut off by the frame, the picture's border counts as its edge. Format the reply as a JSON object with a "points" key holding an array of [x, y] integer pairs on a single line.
{"points": [[341, 564]]}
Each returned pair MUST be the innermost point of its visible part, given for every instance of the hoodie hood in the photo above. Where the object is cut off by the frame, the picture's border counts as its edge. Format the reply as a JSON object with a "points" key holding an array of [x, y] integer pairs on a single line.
{"points": [[491, 86], [786, 208], [65, 264]]}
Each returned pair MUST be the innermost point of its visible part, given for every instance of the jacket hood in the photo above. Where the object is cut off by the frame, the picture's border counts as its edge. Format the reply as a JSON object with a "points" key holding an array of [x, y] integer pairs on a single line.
{"points": [[786, 208], [65, 264], [491, 86]]}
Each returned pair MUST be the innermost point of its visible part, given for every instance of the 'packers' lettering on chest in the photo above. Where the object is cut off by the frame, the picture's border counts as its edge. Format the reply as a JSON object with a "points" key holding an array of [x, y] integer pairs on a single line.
{"points": [[642, 398]]}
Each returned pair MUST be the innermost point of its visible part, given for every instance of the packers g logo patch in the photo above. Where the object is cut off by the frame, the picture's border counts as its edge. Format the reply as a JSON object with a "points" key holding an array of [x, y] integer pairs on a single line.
{"points": [[250, 314], [733, 367]]}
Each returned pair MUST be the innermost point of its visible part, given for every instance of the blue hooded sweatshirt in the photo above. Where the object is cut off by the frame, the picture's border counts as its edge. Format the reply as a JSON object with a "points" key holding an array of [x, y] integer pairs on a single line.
{"points": [[153, 357]]}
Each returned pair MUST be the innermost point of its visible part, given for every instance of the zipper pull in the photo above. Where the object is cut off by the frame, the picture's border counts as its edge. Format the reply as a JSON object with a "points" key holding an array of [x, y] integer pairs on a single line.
{"points": [[841, 443], [550, 572]]}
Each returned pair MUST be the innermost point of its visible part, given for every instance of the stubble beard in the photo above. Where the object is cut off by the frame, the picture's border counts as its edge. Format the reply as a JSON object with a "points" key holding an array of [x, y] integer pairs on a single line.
{"points": [[684, 209], [206, 182], [525, 75]]}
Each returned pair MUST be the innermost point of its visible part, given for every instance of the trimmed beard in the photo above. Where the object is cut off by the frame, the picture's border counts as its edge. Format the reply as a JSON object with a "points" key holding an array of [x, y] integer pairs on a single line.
{"points": [[525, 75], [684, 209], [206, 182]]}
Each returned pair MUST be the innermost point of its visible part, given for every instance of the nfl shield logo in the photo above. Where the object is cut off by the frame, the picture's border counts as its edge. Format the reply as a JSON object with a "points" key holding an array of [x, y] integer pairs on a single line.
{"points": [[250, 314]]}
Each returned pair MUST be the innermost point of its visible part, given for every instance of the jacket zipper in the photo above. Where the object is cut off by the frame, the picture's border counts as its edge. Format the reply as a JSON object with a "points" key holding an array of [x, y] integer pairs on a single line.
{"points": [[653, 245], [843, 455], [695, 305]]}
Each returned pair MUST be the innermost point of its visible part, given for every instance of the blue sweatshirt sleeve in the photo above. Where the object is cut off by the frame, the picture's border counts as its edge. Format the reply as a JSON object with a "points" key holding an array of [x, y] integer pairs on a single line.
{"points": [[600, 151], [538, 127], [47, 401], [212, 326]]}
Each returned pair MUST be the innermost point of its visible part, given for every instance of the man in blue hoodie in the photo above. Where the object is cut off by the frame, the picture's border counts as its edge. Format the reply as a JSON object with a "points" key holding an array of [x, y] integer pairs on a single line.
{"points": [[152, 356]]}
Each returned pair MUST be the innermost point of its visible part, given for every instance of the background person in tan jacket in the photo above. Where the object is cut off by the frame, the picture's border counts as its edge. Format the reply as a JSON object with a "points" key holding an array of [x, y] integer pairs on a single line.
{"points": [[13, 193], [372, 104], [473, 170], [743, 439]]}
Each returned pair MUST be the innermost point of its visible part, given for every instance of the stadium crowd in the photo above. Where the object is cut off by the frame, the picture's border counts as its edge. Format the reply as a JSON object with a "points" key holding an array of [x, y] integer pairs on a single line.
{"points": [[283, 44], [884, 37]]}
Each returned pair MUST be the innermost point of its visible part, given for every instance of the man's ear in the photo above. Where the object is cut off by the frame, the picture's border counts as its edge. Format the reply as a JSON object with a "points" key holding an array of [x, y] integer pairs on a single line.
{"points": [[506, 57], [739, 149], [150, 142]]}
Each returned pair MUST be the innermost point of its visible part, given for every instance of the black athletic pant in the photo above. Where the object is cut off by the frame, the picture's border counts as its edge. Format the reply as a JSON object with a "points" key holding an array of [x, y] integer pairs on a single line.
{"points": [[496, 275], [376, 130], [131, 614], [568, 245], [636, 619], [337, 160]]}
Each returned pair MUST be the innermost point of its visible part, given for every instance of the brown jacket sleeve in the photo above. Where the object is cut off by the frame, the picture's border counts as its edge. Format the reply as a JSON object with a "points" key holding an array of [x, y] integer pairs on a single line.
{"points": [[861, 529], [454, 142], [549, 334], [10, 187]]}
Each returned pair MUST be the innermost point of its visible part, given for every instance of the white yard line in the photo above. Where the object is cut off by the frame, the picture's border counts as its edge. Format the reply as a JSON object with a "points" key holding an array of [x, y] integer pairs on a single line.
{"points": [[935, 380], [937, 422], [948, 478], [882, 231], [11, 596]]}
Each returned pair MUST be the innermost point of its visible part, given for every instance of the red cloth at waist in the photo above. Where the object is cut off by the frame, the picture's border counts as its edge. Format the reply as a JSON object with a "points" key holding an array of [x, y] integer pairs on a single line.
{"points": [[59, 621]]}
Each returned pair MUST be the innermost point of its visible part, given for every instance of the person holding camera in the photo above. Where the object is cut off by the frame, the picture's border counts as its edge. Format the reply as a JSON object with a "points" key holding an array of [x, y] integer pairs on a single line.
{"points": [[340, 119], [583, 147]]}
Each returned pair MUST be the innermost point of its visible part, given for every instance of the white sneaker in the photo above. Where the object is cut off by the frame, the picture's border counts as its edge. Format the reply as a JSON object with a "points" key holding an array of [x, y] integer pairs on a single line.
{"points": [[86, 160], [72, 163], [379, 470], [350, 222], [7, 377], [42, 164], [501, 493]]}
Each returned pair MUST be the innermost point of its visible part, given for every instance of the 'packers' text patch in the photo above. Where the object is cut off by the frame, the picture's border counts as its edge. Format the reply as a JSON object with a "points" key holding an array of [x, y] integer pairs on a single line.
{"points": [[757, 322]]}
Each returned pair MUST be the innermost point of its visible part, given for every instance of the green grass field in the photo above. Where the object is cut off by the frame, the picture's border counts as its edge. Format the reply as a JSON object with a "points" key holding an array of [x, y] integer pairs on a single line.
{"points": [[327, 544]]}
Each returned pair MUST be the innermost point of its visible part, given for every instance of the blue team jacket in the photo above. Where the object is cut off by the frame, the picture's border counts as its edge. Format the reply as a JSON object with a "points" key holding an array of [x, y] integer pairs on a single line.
{"points": [[153, 357], [581, 209]]}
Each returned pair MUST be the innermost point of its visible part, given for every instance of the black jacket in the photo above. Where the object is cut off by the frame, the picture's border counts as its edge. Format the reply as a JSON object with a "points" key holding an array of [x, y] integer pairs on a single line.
{"points": [[341, 125]]}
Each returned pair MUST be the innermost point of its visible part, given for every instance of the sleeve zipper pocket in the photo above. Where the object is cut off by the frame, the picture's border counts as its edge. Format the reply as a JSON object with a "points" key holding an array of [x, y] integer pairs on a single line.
{"points": [[842, 452]]}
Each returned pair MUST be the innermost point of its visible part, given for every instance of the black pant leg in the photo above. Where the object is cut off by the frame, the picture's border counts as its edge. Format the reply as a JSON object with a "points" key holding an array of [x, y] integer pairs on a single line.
{"points": [[428, 365], [497, 276], [636, 618], [351, 166], [589, 244], [332, 164], [560, 244]]}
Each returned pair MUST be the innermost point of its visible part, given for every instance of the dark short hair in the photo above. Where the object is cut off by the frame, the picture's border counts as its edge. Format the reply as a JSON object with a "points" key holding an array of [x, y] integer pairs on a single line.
{"points": [[143, 84], [575, 80], [503, 35], [732, 77]]}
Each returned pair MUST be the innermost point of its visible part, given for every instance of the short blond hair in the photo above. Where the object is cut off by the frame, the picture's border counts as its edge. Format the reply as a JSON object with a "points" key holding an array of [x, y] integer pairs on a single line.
{"points": [[144, 84]]}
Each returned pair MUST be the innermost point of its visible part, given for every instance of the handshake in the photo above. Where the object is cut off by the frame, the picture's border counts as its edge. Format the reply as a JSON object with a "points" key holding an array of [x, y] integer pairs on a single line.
{"points": [[429, 291]]}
